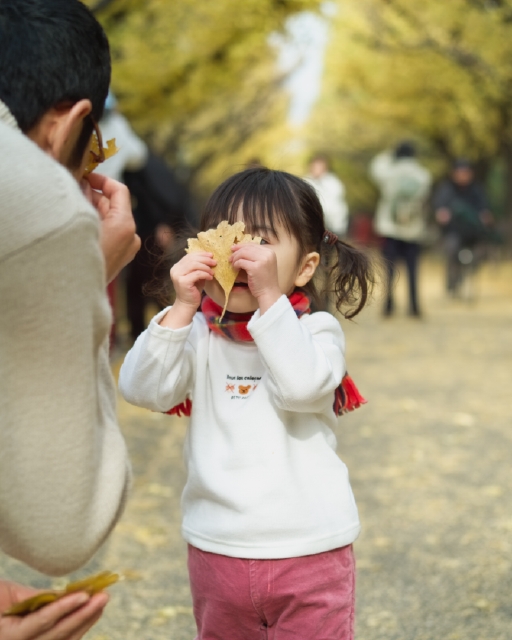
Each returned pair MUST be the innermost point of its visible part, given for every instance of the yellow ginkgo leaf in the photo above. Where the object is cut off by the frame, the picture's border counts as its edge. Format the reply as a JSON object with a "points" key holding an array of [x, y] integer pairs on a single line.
{"points": [[219, 242], [94, 154], [91, 585]]}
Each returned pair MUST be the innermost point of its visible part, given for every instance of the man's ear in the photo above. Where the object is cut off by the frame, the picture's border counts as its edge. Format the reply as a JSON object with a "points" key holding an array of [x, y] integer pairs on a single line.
{"points": [[308, 268], [66, 130], [59, 129]]}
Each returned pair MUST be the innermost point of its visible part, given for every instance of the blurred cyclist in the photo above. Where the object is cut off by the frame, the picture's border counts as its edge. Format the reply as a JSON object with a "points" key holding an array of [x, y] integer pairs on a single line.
{"points": [[462, 211]]}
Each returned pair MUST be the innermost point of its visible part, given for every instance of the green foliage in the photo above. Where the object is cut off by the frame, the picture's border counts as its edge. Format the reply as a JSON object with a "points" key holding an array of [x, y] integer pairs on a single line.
{"points": [[435, 71], [198, 79]]}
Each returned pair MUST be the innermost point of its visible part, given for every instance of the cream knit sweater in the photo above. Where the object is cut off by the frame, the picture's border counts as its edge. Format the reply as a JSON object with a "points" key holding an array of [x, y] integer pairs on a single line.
{"points": [[64, 470]]}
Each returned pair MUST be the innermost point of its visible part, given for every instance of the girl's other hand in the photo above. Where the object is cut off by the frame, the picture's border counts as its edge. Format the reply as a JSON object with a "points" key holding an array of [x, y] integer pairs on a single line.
{"points": [[188, 277], [260, 264]]}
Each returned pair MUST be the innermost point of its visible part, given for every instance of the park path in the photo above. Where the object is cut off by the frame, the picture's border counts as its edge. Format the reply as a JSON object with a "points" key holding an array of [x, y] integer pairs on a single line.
{"points": [[429, 458]]}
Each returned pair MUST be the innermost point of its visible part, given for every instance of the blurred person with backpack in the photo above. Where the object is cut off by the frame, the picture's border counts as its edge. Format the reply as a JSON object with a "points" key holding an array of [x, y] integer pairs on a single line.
{"points": [[400, 218], [462, 211]]}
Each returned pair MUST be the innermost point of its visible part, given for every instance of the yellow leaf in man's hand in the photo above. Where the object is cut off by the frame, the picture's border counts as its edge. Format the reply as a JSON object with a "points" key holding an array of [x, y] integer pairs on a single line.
{"points": [[94, 153]]}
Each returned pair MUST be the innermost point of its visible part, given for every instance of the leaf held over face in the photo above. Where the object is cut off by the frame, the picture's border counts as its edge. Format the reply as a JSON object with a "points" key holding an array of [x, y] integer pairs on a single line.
{"points": [[94, 153], [91, 585], [219, 242]]}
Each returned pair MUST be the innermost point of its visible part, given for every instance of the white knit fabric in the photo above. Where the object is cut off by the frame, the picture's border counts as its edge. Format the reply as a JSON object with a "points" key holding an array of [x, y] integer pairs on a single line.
{"points": [[264, 480]]}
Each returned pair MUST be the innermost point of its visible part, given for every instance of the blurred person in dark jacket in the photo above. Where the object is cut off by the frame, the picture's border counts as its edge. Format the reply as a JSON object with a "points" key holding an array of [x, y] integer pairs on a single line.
{"points": [[162, 209], [462, 211]]}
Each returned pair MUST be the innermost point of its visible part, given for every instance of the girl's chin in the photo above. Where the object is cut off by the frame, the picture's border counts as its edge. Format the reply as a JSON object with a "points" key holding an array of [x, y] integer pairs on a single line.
{"points": [[241, 308], [240, 299]]}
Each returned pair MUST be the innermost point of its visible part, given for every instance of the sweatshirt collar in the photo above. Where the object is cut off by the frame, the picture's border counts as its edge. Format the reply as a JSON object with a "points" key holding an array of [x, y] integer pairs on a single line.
{"points": [[7, 117]]}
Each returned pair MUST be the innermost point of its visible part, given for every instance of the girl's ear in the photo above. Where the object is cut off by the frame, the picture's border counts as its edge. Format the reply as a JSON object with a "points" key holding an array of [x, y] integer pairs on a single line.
{"points": [[308, 268]]}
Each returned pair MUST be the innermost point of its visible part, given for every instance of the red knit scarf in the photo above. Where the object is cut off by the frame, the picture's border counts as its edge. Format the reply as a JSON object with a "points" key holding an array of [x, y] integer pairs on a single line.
{"points": [[234, 327]]}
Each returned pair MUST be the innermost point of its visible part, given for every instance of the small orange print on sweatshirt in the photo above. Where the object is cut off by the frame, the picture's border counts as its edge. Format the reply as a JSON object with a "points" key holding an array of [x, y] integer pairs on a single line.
{"points": [[243, 390], [230, 388]]}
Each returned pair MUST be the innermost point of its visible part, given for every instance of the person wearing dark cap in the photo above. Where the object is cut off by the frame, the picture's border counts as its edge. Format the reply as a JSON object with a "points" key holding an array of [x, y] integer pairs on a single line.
{"points": [[462, 211], [404, 187]]}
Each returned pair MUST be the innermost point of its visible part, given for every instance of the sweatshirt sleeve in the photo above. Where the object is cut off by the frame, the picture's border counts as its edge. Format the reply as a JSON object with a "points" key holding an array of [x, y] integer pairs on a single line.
{"points": [[158, 371], [304, 358], [64, 469]]}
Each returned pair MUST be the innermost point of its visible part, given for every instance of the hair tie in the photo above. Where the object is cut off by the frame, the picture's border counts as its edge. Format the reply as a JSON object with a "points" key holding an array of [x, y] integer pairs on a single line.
{"points": [[330, 238]]}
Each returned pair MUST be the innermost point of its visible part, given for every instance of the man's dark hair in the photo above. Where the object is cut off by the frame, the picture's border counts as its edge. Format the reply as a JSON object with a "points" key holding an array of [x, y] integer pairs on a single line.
{"points": [[52, 52]]}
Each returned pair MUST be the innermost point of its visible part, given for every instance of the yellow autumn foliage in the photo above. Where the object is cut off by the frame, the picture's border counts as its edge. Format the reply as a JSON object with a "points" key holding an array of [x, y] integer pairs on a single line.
{"points": [[198, 79], [435, 71]]}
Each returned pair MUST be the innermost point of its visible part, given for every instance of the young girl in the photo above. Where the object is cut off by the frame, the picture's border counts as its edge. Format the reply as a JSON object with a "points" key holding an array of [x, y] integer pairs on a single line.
{"points": [[268, 511]]}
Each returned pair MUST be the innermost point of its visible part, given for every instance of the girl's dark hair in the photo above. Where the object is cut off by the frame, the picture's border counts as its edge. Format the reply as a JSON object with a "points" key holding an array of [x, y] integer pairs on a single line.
{"points": [[267, 199]]}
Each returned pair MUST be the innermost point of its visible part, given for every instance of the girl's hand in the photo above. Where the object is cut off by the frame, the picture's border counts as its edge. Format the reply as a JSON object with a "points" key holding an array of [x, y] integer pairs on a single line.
{"points": [[188, 277], [260, 264], [67, 619]]}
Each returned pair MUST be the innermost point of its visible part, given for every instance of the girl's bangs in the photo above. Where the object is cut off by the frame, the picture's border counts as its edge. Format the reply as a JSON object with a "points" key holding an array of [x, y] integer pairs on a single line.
{"points": [[264, 201]]}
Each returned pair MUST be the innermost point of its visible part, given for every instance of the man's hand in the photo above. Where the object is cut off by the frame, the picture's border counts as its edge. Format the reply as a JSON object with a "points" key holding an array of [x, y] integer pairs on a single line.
{"points": [[119, 241], [66, 619]]}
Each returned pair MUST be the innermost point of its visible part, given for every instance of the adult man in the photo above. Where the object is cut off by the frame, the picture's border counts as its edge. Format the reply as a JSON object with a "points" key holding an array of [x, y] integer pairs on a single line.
{"points": [[462, 211], [404, 186], [64, 471]]}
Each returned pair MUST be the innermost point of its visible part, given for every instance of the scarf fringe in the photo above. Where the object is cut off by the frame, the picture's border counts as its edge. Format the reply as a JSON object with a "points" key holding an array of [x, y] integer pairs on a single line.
{"points": [[182, 409], [347, 396]]}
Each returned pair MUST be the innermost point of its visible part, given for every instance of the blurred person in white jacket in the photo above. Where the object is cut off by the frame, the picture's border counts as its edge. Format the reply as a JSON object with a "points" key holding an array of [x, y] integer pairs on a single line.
{"points": [[331, 192], [404, 187], [133, 152], [131, 156]]}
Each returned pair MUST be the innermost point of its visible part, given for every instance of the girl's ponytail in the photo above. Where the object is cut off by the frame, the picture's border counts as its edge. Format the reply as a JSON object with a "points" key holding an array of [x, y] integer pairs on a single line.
{"points": [[352, 274]]}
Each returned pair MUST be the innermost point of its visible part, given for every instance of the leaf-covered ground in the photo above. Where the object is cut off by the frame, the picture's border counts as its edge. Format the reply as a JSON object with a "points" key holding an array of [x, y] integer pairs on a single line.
{"points": [[429, 458]]}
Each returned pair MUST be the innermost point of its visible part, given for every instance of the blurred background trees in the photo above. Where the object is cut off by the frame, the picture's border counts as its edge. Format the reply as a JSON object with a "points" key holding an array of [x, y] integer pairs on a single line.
{"points": [[435, 71], [198, 79]]}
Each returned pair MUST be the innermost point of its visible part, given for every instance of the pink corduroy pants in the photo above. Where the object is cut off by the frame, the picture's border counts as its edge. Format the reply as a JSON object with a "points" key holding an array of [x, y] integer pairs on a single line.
{"points": [[306, 598]]}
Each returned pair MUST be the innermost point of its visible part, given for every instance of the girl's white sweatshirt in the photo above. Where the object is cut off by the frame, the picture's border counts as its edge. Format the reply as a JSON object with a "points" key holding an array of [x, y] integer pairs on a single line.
{"points": [[264, 480]]}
